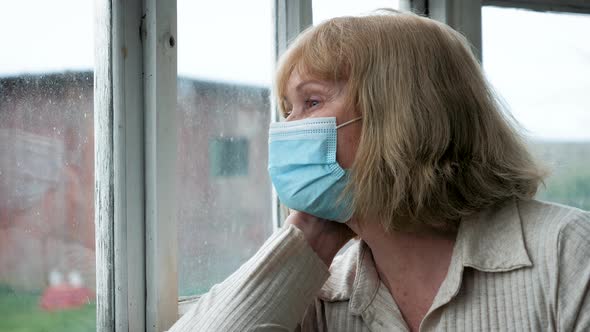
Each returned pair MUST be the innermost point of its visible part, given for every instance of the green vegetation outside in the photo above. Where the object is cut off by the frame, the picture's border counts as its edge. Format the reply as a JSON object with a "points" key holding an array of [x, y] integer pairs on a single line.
{"points": [[20, 312], [569, 180]]}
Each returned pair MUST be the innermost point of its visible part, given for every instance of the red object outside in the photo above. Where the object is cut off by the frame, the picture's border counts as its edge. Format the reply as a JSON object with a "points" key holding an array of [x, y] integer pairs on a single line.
{"points": [[63, 297]]}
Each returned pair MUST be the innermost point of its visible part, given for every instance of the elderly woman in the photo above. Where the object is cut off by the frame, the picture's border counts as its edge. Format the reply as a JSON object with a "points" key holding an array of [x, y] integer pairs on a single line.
{"points": [[394, 137]]}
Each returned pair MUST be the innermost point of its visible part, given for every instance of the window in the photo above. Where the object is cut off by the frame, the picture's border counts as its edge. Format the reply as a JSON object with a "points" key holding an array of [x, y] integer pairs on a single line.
{"points": [[219, 194], [224, 194], [47, 243], [539, 64]]}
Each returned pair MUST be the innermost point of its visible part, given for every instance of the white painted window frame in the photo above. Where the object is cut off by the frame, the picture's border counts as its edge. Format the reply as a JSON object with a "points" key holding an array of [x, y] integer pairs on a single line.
{"points": [[135, 52]]}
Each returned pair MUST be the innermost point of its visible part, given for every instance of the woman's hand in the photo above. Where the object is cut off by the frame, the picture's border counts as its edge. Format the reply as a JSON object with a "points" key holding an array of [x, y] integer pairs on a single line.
{"points": [[325, 237]]}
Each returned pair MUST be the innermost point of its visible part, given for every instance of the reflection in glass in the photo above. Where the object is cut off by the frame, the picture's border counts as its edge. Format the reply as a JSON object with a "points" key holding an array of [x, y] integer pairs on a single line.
{"points": [[47, 246], [539, 64], [223, 190]]}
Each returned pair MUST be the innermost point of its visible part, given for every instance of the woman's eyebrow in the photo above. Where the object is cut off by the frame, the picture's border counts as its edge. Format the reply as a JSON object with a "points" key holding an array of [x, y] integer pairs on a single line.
{"points": [[303, 84], [315, 84], [309, 85]]}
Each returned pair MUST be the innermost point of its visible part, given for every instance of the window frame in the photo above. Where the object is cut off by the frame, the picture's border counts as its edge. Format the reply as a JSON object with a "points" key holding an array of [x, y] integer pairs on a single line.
{"points": [[104, 169], [135, 230], [570, 6], [135, 140]]}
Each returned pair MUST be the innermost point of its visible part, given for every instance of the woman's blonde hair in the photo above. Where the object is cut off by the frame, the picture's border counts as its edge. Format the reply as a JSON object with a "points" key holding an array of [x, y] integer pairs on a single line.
{"points": [[435, 144]]}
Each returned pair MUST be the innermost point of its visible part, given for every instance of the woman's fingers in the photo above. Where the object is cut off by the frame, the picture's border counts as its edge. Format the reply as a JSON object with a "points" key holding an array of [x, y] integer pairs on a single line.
{"points": [[324, 236]]}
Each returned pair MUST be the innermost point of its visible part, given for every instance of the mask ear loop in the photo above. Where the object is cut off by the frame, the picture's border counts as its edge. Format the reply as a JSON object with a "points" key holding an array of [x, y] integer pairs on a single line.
{"points": [[348, 122]]}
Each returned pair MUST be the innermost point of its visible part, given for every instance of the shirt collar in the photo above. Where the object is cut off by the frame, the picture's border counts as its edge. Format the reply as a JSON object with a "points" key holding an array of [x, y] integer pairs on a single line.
{"points": [[490, 241], [354, 277], [366, 283]]}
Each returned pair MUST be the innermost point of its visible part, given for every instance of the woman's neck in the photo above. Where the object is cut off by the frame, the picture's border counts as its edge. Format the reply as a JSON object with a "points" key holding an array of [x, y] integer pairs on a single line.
{"points": [[411, 265], [399, 251], [421, 257]]}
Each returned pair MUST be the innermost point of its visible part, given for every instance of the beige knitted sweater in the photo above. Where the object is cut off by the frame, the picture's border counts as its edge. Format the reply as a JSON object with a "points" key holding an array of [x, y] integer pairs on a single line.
{"points": [[522, 267]]}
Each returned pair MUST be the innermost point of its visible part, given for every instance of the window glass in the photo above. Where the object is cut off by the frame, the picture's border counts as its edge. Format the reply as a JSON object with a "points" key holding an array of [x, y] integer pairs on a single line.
{"points": [[228, 156], [326, 9], [223, 189], [539, 63], [47, 248]]}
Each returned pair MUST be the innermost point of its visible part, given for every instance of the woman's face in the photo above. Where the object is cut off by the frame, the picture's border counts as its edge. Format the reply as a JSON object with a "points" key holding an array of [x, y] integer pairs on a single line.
{"points": [[309, 98]]}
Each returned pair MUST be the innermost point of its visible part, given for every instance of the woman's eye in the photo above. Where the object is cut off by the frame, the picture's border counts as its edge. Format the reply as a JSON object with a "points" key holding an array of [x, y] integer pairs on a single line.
{"points": [[311, 103]]}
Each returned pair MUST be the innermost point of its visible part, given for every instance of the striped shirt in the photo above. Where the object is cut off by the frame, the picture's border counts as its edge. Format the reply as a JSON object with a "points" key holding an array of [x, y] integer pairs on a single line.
{"points": [[524, 266]]}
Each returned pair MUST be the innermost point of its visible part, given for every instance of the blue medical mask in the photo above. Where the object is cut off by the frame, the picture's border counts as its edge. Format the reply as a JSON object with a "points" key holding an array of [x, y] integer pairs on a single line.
{"points": [[303, 168]]}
